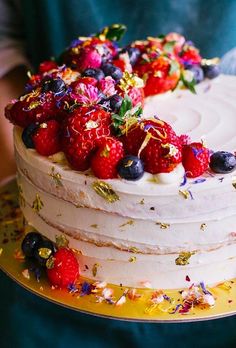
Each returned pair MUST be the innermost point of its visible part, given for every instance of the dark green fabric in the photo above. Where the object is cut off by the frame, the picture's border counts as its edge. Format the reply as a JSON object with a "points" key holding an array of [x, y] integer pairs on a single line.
{"points": [[27, 321], [51, 25]]}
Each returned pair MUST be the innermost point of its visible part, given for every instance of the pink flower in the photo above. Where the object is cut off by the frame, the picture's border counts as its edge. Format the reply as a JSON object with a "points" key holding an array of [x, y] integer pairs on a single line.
{"points": [[107, 86], [86, 94]]}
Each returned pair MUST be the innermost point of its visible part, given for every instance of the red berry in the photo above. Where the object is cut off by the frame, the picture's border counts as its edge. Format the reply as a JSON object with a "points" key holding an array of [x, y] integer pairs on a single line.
{"points": [[85, 80], [191, 55], [47, 138], [80, 131], [33, 107], [156, 143], [65, 269], [106, 158], [156, 72], [47, 65], [196, 159]]}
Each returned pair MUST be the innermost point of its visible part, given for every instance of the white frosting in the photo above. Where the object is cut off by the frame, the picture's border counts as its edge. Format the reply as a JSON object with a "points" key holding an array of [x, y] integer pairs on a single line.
{"points": [[154, 218]]}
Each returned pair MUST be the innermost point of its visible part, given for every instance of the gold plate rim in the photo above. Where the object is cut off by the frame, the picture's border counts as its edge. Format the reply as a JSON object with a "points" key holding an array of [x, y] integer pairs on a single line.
{"points": [[132, 311]]}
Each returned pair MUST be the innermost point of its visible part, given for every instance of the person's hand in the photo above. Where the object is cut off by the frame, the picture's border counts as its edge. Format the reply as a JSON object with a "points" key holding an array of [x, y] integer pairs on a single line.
{"points": [[11, 86]]}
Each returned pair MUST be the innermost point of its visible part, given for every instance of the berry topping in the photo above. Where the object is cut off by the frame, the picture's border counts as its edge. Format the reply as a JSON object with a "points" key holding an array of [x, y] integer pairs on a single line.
{"points": [[160, 72], [130, 168], [27, 135], [57, 86], [98, 74], [211, 71], [134, 54], [197, 71], [195, 159], [30, 243], [105, 159], [80, 131], [113, 71], [156, 143], [222, 162], [47, 65], [190, 55], [115, 102], [43, 251], [47, 138], [65, 268]]}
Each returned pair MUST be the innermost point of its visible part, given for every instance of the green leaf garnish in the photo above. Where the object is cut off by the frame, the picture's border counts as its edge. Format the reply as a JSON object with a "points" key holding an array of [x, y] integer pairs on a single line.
{"points": [[188, 84], [114, 32], [174, 66], [126, 114], [168, 47]]}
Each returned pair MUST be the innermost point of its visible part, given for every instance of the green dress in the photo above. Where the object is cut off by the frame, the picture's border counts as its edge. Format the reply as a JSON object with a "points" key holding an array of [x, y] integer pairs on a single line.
{"points": [[27, 321]]}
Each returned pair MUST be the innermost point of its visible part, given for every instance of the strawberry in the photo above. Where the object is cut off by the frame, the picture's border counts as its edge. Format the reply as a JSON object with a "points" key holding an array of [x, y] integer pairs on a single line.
{"points": [[47, 65], [156, 143], [33, 107], [106, 158], [159, 72], [80, 130], [196, 158], [46, 139], [65, 270], [123, 62], [190, 55]]}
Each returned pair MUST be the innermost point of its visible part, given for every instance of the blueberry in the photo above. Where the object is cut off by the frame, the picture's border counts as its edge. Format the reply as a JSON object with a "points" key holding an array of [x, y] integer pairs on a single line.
{"points": [[211, 71], [30, 243], [130, 168], [27, 135], [44, 250], [115, 102], [113, 71], [197, 71], [222, 162], [57, 86], [98, 74], [134, 53]]}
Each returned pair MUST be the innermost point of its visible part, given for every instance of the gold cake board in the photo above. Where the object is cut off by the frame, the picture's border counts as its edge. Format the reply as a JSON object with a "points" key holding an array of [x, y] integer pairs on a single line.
{"points": [[12, 230]]}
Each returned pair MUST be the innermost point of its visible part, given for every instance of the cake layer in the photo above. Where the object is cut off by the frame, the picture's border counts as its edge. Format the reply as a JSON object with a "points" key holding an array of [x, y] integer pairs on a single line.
{"points": [[134, 269], [148, 236]]}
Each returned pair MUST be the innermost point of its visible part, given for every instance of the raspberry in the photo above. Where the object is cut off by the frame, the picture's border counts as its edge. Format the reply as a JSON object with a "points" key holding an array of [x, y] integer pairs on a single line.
{"points": [[65, 269], [47, 138], [80, 130], [196, 159], [106, 158], [161, 146]]}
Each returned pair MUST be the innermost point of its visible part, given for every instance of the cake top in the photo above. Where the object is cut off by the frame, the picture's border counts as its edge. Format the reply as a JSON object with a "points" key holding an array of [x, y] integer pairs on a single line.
{"points": [[89, 104]]}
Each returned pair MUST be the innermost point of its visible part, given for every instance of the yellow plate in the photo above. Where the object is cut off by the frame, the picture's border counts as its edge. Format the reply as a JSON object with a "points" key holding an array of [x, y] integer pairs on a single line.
{"points": [[12, 230]]}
